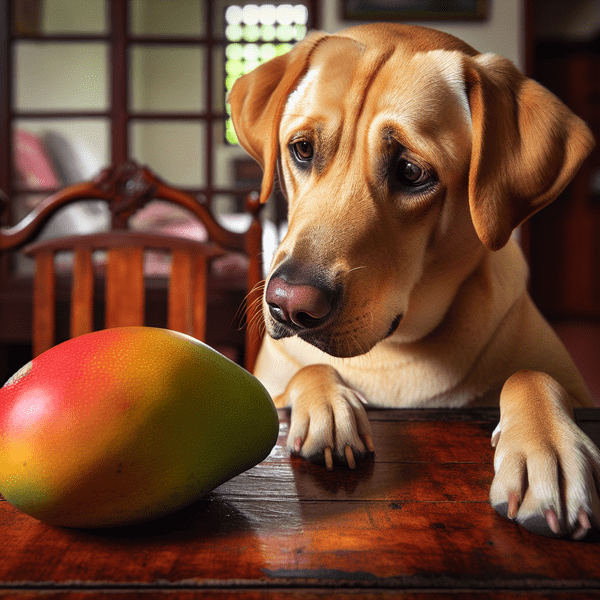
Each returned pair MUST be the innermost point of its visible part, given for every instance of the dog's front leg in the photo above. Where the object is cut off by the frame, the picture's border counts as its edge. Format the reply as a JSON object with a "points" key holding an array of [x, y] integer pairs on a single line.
{"points": [[328, 418], [547, 468]]}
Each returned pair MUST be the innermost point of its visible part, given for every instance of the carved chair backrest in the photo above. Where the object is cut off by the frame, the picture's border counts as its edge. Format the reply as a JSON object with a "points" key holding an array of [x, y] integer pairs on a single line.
{"points": [[127, 188]]}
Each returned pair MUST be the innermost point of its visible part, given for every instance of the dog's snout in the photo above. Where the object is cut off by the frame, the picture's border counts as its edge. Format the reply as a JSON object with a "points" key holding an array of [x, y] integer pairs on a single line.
{"points": [[301, 304]]}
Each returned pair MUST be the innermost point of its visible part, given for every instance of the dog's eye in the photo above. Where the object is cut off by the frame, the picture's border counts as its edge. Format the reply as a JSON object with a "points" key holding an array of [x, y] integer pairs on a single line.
{"points": [[410, 174], [303, 151]]}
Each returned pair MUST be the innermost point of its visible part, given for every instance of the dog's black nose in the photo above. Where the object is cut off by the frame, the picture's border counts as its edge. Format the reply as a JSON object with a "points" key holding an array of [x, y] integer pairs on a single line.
{"points": [[300, 304]]}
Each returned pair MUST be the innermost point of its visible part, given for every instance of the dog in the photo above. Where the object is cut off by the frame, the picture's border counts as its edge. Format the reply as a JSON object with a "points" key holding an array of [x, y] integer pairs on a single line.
{"points": [[408, 159]]}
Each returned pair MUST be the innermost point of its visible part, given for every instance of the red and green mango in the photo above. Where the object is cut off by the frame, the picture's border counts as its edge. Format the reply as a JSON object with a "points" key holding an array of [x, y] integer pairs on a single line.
{"points": [[125, 425]]}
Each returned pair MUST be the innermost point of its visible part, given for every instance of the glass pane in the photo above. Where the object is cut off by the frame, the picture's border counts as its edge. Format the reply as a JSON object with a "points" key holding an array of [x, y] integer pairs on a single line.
{"points": [[263, 15], [227, 173], [167, 79], [255, 34], [183, 17], [51, 153], [175, 150], [60, 16], [218, 89], [61, 76]]}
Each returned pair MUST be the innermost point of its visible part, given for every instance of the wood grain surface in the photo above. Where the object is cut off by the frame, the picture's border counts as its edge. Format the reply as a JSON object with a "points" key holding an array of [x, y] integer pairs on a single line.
{"points": [[412, 521]]}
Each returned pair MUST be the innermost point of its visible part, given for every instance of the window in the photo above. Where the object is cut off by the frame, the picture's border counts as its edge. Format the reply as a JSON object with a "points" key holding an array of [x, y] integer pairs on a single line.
{"points": [[87, 84], [255, 34]]}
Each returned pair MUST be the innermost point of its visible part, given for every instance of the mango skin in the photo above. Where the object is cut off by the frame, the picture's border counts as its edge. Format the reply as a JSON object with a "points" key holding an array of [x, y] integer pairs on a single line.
{"points": [[125, 425]]}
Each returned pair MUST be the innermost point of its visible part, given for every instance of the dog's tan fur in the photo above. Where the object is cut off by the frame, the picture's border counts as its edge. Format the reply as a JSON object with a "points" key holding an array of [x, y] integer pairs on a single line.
{"points": [[501, 147]]}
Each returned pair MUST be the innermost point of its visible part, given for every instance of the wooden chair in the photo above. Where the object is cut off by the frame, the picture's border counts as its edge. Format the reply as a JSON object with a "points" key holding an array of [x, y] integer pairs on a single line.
{"points": [[127, 188]]}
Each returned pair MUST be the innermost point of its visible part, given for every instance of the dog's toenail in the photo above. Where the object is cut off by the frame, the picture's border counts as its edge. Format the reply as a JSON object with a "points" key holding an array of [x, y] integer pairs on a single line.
{"points": [[552, 520]]}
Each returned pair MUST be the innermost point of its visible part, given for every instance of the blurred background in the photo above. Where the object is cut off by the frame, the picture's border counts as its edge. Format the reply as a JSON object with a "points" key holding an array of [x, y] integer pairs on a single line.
{"points": [[89, 83]]}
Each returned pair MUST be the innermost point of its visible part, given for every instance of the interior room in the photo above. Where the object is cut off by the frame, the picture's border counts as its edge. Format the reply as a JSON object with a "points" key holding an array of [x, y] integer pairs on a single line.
{"points": [[137, 462], [85, 85]]}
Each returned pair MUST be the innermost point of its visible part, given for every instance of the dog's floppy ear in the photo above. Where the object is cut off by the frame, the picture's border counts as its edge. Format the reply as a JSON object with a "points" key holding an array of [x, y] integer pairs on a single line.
{"points": [[527, 145], [257, 102]]}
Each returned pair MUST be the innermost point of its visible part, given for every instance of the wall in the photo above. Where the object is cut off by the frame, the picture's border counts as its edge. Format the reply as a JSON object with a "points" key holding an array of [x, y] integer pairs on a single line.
{"points": [[67, 76], [166, 79], [502, 33]]}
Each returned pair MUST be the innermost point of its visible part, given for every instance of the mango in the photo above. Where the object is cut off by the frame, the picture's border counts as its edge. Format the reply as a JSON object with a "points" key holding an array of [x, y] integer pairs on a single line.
{"points": [[125, 425]]}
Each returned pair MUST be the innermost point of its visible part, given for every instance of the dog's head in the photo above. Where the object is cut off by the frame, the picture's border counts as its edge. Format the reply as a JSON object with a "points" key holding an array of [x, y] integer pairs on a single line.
{"points": [[405, 155]]}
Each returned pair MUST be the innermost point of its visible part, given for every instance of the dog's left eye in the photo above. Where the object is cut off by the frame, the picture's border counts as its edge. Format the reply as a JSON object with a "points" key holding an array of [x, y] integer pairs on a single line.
{"points": [[411, 174], [303, 151]]}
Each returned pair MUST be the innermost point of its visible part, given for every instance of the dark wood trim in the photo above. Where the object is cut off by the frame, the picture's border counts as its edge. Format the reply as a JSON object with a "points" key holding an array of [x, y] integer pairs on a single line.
{"points": [[5, 93], [183, 116], [5, 125], [528, 38], [314, 17], [155, 116], [75, 114], [67, 38], [166, 40], [119, 82], [209, 134]]}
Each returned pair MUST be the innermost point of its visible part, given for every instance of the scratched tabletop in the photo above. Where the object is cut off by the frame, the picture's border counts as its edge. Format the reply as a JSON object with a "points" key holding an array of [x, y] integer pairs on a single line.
{"points": [[412, 518]]}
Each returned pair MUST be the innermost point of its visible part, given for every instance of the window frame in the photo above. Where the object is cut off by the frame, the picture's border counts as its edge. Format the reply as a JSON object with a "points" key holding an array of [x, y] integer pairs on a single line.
{"points": [[120, 40]]}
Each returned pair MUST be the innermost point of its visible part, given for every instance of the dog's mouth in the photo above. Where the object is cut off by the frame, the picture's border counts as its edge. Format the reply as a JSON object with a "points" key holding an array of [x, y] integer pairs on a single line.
{"points": [[342, 346], [326, 340]]}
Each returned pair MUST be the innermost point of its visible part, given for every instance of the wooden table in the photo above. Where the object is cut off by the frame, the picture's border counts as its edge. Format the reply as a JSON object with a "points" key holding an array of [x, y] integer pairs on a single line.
{"points": [[415, 519]]}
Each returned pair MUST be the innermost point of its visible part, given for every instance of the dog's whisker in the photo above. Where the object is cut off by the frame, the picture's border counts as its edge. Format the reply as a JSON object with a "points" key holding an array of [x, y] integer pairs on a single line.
{"points": [[357, 268], [251, 310]]}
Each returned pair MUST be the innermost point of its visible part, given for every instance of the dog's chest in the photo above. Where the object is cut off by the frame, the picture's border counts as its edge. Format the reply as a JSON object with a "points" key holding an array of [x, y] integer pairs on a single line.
{"points": [[392, 377]]}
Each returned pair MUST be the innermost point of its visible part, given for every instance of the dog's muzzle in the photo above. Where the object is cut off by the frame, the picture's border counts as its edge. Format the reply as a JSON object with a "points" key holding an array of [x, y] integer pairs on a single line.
{"points": [[299, 306], [301, 300], [307, 304]]}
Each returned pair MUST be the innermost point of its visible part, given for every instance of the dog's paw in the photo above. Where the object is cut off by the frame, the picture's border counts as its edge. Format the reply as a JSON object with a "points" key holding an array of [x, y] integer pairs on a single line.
{"points": [[547, 478], [329, 422]]}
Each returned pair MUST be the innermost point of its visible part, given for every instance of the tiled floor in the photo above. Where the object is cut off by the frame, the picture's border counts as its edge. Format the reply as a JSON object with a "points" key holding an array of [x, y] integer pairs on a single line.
{"points": [[582, 339]]}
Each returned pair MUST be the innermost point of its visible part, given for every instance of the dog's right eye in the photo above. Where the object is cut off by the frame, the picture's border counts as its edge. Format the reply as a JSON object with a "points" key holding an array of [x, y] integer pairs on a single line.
{"points": [[303, 151], [411, 174]]}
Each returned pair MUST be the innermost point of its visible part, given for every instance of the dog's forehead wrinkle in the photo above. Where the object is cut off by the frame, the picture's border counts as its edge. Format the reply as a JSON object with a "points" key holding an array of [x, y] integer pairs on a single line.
{"points": [[368, 69], [334, 74], [424, 86]]}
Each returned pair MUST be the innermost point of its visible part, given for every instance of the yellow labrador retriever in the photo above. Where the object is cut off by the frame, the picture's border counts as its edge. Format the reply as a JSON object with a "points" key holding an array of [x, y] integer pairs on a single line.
{"points": [[408, 159]]}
